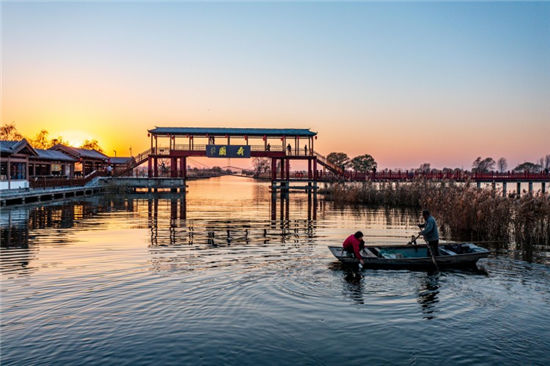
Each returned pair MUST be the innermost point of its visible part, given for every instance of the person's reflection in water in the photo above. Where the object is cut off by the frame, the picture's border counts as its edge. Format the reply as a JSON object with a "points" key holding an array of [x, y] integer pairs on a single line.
{"points": [[353, 285], [428, 295]]}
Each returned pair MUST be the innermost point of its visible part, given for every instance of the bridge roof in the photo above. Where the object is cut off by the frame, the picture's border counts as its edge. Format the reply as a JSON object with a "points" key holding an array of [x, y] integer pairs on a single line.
{"points": [[221, 131]]}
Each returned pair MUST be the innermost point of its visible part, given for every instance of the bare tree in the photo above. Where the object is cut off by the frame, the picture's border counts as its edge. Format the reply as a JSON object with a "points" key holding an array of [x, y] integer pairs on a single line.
{"points": [[502, 165]]}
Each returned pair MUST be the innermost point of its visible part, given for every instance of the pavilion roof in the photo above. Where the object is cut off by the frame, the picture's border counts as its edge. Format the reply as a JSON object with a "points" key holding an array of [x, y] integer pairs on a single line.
{"points": [[222, 131]]}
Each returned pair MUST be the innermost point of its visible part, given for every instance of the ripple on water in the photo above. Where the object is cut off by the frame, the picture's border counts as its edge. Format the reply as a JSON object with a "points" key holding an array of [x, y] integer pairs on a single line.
{"points": [[123, 283]]}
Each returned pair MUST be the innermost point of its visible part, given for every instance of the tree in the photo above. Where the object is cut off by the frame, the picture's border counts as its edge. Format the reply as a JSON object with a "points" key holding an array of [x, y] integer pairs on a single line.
{"points": [[339, 159], [40, 141], [502, 165], [363, 163], [91, 145], [425, 167], [547, 162], [528, 167], [483, 165], [58, 140], [261, 166], [8, 131]]}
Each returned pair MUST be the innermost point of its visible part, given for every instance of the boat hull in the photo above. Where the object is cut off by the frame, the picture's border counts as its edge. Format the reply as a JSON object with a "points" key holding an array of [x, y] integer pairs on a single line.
{"points": [[418, 257]]}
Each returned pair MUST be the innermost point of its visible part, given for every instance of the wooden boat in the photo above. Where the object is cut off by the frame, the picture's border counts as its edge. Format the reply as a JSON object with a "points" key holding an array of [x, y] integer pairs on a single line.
{"points": [[414, 256]]}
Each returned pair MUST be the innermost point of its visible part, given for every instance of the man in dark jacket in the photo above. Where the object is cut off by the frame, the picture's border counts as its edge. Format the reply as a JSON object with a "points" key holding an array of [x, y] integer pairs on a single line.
{"points": [[430, 232]]}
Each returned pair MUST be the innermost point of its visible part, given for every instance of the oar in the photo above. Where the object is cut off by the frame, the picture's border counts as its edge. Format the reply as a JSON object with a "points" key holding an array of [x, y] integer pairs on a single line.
{"points": [[428, 248], [433, 256]]}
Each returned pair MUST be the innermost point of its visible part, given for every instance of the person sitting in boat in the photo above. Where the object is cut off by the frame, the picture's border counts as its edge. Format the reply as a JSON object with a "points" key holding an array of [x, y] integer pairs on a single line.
{"points": [[353, 244], [430, 232]]}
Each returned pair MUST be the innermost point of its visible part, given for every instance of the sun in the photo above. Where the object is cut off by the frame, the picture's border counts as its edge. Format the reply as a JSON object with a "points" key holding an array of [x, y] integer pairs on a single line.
{"points": [[74, 138]]}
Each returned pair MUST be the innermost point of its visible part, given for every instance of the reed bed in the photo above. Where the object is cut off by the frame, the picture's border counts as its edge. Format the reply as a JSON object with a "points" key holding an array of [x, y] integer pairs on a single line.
{"points": [[463, 211]]}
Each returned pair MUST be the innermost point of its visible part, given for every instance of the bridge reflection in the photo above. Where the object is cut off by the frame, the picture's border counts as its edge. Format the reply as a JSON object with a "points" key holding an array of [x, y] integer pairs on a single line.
{"points": [[215, 231], [165, 215]]}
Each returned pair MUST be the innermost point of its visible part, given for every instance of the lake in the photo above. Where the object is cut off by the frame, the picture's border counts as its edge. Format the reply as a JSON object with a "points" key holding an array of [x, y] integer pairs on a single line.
{"points": [[231, 276]]}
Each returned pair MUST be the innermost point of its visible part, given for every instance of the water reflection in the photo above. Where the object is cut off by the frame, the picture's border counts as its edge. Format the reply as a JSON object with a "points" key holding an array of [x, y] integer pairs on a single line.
{"points": [[279, 226], [233, 266], [428, 292], [353, 285]]}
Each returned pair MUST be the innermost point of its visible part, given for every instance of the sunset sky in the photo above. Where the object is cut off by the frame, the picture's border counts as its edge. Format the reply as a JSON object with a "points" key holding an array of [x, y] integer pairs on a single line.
{"points": [[406, 82]]}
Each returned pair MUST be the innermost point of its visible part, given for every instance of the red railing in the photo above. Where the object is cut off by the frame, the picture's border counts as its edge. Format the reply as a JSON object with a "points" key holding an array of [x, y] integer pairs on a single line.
{"points": [[51, 182], [412, 175]]}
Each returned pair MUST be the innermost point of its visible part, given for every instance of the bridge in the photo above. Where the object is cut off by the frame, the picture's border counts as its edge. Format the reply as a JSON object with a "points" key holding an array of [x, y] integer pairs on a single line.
{"points": [[282, 146]]}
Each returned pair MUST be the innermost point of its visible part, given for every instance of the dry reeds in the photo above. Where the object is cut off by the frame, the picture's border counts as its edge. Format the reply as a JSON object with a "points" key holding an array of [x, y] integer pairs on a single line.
{"points": [[465, 212]]}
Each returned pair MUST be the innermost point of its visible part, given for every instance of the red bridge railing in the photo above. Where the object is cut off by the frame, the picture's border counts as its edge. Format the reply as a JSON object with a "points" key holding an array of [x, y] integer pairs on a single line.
{"points": [[412, 175]]}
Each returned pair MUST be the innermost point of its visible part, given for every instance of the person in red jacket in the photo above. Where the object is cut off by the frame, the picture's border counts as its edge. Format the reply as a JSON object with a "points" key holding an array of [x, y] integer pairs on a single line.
{"points": [[354, 244]]}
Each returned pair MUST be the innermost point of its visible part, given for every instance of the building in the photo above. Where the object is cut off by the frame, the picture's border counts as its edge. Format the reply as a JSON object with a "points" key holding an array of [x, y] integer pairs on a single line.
{"points": [[122, 165], [14, 163], [87, 160], [51, 163]]}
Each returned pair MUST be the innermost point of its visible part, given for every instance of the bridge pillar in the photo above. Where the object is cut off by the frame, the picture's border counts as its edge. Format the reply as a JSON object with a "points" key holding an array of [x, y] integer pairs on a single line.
{"points": [[504, 189], [282, 169], [315, 169], [543, 187], [273, 169], [494, 185], [518, 188], [478, 184], [530, 187], [149, 167], [182, 167], [287, 169], [155, 168], [184, 164], [173, 167], [309, 169]]}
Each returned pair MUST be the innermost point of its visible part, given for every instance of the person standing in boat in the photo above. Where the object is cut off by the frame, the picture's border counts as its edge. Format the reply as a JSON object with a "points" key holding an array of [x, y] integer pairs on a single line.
{"points": [[430, 232], [353, 244]]}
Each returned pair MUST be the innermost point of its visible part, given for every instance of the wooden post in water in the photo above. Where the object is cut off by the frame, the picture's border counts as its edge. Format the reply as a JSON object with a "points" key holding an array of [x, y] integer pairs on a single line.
{"points": [[518, 188], [543, 187], [504, 189]]}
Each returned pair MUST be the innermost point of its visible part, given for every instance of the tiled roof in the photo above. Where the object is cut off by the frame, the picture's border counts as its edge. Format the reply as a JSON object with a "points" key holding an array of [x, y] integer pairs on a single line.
{"points": [[120, 160], [53, 155], [220, 131]]}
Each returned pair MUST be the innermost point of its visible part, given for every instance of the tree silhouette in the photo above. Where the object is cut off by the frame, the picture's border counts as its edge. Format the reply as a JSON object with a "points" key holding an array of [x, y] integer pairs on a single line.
{"points": [[502, 165], [339, 159], [91, 145], [8, 131], [363, 163]]}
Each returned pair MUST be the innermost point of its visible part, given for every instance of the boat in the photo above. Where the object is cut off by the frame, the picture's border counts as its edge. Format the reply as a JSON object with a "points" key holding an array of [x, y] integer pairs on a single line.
{"points": [[414, 256]]}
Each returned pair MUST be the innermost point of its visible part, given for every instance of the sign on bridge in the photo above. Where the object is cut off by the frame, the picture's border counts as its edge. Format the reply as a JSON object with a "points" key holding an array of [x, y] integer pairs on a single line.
{"points": [[228, 151]]}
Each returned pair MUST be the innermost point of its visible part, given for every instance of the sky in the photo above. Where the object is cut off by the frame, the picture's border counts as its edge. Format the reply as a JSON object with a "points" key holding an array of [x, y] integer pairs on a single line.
{"points": [[437, 82]]}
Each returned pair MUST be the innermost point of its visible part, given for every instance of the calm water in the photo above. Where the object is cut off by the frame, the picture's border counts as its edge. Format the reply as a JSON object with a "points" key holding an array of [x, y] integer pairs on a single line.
{"points": [[142, 280]]}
